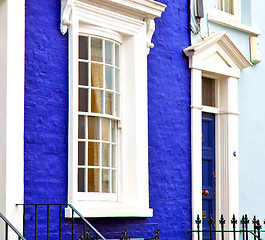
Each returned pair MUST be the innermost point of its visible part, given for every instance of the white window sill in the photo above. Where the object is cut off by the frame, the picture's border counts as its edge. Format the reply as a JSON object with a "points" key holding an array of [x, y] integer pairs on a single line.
{"points": [[234, 25], [109, 210]]}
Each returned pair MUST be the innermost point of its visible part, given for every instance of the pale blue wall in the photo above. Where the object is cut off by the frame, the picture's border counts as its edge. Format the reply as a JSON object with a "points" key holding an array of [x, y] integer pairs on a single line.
{"points": [[252, 127], [251, 107]]}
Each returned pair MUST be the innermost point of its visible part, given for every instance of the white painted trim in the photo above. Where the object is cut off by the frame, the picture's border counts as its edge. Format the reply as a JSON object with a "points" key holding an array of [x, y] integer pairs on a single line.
{"points": [[137, 8], [221, 43], [225, 68], [235, 25], [12, 49], [196, 147], [134, 34], [124, 16]]}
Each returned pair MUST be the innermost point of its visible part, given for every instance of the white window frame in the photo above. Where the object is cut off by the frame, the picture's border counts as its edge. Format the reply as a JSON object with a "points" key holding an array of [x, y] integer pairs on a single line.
{"points": [[122, 22], [216, 57], [235, 17]]}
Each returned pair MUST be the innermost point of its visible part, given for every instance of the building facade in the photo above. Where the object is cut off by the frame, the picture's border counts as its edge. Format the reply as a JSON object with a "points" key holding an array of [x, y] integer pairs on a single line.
{"points": [[140, 114], [102, 118], [227, 37]]}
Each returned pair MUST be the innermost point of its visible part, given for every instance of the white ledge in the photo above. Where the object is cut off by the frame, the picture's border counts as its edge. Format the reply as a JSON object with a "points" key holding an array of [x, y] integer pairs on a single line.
{"points": [[113, 211], [234, 25]]}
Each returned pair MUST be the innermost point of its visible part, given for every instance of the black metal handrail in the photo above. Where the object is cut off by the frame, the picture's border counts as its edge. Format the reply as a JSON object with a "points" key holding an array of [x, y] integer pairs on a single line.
{"points": [[245, 231], [86, 235], [85, 221], [9, 224], [74, 211]]}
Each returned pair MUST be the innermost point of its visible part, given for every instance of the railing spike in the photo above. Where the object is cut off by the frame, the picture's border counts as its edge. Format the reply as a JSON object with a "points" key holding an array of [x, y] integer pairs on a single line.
{"points": [[210, 220], [156, 234], [222, 220], [125, 235], [234, 222]]}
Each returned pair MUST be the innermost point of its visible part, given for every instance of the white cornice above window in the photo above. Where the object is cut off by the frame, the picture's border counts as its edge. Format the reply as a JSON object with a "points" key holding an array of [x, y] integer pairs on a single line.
{"points": [[139, 10]]}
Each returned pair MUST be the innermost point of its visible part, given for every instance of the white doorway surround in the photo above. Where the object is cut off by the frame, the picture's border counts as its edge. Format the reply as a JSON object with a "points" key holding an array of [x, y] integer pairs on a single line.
{"points": [[216, 57]]}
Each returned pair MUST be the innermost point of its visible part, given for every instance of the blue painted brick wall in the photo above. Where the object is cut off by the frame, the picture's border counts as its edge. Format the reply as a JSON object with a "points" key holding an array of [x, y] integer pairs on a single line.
{"points": [[46, 121], [169, 122]]}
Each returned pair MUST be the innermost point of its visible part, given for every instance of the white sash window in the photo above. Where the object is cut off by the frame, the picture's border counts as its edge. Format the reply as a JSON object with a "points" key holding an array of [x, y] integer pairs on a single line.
{"points": [[108, 126], [98, 115]]}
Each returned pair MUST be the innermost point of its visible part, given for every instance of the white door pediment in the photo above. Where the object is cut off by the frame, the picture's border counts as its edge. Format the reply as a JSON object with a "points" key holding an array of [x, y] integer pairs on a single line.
{"points": [[217, 54], [216, 58]]}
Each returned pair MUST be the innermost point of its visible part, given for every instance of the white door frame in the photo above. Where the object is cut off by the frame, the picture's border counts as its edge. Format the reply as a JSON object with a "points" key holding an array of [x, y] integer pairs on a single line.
{"points": [[217, 57]]}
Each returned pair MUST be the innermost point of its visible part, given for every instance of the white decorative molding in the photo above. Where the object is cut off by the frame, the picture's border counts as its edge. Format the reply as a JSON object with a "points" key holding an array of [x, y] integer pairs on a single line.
{"points": [[137, 9], [225, 43], [66, 7], [150, 29]]}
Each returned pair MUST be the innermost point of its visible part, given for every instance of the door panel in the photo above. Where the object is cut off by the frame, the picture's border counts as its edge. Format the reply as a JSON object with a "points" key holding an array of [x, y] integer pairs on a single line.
{"points": [[208, 169]]}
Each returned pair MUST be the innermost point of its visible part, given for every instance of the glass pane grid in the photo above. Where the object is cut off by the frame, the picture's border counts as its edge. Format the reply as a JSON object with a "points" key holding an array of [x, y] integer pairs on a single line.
{"points": [[104, 173], [97, 168]]}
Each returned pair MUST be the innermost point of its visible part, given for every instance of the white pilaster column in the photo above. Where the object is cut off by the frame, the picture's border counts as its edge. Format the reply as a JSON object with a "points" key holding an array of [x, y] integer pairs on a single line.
{"points": [[12, 29], [196, 145]]}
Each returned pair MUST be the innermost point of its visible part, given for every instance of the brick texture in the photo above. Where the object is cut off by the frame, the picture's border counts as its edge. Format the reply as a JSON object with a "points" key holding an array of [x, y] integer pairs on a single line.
{"points": [[46, 123]]}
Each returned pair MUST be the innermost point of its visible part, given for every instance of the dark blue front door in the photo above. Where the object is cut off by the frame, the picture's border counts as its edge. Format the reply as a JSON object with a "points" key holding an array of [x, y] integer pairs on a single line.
{"points": [[208, 170]]}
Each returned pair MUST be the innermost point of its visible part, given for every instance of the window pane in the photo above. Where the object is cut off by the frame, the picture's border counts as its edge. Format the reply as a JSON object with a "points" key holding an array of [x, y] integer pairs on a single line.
{"points": [[117, 107], [208, 92], [113, 162], [105, 154], [83, 73], [81, 180], [105, 180], [109, 72], [81, 153], [117, 80], [83, 100], [93, 154], [113, 131], [81, 127], [96, 49], [96, 101], [109, 52], [218, 4], [93, 180], [96, 75], [93, 128], [114, 181], [83, 47], [228, 6], [117, 55], [105, 129], [109, 103]]}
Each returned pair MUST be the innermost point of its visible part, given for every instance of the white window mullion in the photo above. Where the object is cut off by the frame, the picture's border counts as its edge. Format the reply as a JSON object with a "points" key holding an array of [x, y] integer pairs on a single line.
{"points": [[104, 77], [86, 155], [100, 155], [89, 74], [110, 157]]}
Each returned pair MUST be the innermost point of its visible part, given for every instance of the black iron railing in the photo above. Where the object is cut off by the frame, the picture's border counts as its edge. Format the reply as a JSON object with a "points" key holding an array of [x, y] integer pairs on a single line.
{"points": [[246, 228], [9, 225], [88, 227], [43, 212]]}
